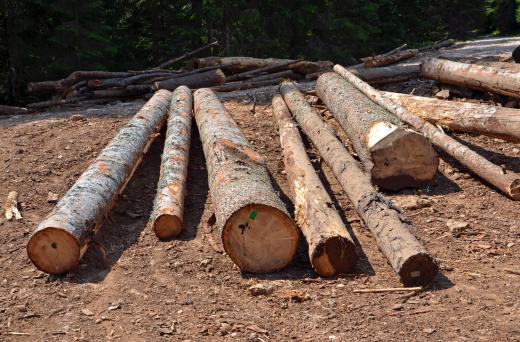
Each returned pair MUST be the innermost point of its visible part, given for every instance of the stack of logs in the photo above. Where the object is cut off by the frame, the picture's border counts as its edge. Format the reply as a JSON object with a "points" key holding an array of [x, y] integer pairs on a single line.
{"points": [[392, 135]]}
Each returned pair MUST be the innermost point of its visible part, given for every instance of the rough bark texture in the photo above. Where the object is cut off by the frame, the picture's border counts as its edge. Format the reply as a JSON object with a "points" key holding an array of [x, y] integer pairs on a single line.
{"points": [[168, 208], [126, 81], [391, 58], [263, 94], [274, 75], [8, 110], [494, 174], [246, 85], [128, 91], [494, 121], [269, 68], [494, 80], [387, 74], [394, 157], [60, 240], [389, 227], [257, 232], [193, 81], [331, 248], [241, 64]]}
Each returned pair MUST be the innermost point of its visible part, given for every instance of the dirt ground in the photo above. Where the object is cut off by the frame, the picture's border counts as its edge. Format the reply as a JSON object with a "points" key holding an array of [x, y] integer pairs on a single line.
{"points": [[183, 290]]}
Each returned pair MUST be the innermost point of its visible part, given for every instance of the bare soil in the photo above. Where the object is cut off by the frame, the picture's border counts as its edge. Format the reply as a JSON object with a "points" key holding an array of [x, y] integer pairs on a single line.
{"points": [[131, 287]]}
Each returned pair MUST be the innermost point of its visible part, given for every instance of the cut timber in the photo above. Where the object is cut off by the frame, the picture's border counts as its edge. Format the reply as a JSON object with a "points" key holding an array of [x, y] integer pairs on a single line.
{"points": [[331, 249], [168, 206], [8, 110], [388, 226], [494, 174], [389, 74], [241, 64], [246, 85], [389, 58], [129, 91], [394, 157], [193, 81], [266, 69], [263, 94], [60, 240], [257, 233], [479, 77], [494, 121]]}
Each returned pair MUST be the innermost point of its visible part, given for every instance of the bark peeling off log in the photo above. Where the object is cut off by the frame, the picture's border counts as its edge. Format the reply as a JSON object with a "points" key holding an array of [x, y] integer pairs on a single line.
{"points": [[395, 158], [388, 226], [331, 248], [61, 238], [167, 214], [257, 232]]}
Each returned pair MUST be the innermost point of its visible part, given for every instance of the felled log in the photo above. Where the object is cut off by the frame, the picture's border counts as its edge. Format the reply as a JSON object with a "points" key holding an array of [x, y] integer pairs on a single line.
{"points": [[498, 81], [331, 248], [394, 157], [388, 74], [186, 55], [262, 94], [267, 69], [257, 233], [508, 183], [128, 91], [241, 64], [246, 85], [53, 103], [9, 110], [388, 58], [194, 81], [168, 208], [513, 67], [388, 225], [494, 121], [60, 240], [126, 81], [438, 45], [273, 76]]}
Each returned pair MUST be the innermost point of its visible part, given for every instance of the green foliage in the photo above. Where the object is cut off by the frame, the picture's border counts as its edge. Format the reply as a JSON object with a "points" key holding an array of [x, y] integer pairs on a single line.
{"points": [[502, 15]]}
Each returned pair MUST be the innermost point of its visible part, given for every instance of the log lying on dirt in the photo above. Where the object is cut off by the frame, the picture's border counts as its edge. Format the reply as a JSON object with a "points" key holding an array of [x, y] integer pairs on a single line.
{"points": [[168, 208], [241, 64], [257, 233], [193, 81], [331, 248], [498, 81], [394, 157], [494, 174], [390, 229], [494, 121], [60, 240], [9, 110], [388, 58], [389, 74]]}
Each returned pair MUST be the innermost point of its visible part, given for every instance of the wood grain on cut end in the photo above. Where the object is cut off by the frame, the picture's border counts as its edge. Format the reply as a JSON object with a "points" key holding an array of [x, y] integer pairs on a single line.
{"points": [[53, 250], [419, 269], [167, 226], [514, 190], [403, 159], [260, 238], [335, 255]]}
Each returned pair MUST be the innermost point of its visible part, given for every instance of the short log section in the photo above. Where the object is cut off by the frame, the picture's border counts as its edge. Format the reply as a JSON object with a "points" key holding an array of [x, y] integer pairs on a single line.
{"points": [[257, 233], [60, 240], [331, 248]]}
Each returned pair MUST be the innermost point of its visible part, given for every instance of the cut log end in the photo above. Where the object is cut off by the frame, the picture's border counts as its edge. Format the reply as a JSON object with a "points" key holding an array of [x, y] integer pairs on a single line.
{"points": [[167, 226], [260, 238], [401, 159], [333, 256], [514, 190], [418, 270], [53, 250]]}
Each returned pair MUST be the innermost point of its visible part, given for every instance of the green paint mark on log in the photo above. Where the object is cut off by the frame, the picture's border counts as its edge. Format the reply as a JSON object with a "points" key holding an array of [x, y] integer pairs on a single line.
{"points": [[252, 216]]}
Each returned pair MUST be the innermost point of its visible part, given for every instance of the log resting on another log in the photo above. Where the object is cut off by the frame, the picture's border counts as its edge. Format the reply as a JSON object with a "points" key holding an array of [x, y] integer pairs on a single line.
{"points": [[331, 248], [394, 157], [257, 233], [60, 240], [389, 227], [388, 74], [8, 110], [508, 183], [389, 58], [193, 81], [493, 121]]}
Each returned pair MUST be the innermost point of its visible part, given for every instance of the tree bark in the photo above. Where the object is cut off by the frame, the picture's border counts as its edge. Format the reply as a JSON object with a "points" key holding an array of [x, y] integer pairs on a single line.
{"points": [[331, 248], [389, 74], [257, 233], [493, 121], [494, 174], [126, 81], [269, 68], [8, 110], [389, 58], [129, 91], [394, 157], [168, 209], [246, 85], [194, 81], [273, 76], [262, 94], [241, 64], [61, 238], [388, 225], [484, 78]]}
